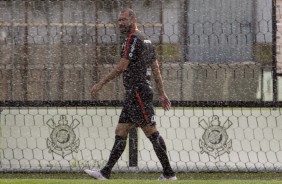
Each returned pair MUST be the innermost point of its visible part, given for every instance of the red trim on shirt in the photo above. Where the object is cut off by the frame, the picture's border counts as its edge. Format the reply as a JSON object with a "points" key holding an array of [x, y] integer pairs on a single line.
{"points": [[127, 43]]}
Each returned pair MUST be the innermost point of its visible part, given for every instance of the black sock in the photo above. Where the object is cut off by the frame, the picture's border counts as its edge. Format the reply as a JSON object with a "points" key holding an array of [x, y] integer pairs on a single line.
{"points": [[116, 152], [160, 149]]}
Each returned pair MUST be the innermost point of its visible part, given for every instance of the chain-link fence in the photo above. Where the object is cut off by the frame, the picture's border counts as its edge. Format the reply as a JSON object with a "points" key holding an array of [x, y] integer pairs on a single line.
{"points": [[220, 60], [211, 50]]}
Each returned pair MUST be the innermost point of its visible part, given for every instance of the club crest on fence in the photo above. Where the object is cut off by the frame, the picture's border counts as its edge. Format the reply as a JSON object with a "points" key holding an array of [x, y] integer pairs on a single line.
{"points": [[62, 139], [215, 141]]}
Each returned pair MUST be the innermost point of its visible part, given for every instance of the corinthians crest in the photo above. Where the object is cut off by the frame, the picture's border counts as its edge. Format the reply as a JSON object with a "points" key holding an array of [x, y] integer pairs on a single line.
{"points": [[62, 139], [215, 139]]}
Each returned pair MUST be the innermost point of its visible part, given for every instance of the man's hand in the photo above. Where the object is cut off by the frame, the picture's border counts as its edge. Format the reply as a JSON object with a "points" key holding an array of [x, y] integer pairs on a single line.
{"points": [[114, 73], [165, 102], [95, 89]]}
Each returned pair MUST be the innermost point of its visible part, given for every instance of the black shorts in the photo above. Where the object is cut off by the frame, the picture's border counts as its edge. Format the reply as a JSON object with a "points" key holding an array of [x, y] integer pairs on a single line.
{"points": [[138, 106]]}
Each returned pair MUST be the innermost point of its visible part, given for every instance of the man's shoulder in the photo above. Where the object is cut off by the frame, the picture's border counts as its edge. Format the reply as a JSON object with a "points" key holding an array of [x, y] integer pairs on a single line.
{"points": [[142, 37]]}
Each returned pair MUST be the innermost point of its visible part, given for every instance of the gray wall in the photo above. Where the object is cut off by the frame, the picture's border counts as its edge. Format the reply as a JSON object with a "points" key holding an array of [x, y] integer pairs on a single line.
{"points": [[68, 46]]}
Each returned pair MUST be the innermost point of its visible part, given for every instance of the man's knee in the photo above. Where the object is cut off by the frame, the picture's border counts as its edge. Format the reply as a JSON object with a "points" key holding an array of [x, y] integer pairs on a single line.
{"points": [[154, 136], [157, 141], [149, 130], [122, 129]]}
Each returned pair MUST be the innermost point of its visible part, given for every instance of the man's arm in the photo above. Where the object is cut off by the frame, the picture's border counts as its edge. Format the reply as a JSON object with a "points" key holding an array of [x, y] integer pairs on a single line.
{"points": [[113, 74], [165, 102]]}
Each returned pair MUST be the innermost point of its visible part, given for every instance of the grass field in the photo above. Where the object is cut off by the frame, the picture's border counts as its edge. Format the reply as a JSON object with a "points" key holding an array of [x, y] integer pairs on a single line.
{"points": [[141, 178], [53, 181]]}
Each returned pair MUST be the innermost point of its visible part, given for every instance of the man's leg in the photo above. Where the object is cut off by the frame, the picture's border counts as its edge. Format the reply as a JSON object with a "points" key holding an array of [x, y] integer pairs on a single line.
{"points": [[160, 149], [122, 130]]}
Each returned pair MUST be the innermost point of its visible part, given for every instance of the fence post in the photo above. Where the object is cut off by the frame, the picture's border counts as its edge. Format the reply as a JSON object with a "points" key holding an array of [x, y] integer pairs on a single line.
{"points": [[185, 46], [274, 61], [133, 147], [133, 137], [24, 72]]}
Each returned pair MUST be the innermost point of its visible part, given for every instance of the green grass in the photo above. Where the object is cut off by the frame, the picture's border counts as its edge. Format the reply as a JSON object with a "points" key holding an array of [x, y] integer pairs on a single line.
{"points": [[120, 181], [142, 178]]}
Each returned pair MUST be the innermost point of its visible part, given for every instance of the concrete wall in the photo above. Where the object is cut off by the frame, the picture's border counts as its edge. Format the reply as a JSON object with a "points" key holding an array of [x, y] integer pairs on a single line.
{"points": [[65, 64], [68, 79], [197, 139]]}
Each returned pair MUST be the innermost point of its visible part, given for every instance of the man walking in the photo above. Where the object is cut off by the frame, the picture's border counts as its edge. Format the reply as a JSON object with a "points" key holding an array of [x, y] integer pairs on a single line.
{"points": [[138, 61]]}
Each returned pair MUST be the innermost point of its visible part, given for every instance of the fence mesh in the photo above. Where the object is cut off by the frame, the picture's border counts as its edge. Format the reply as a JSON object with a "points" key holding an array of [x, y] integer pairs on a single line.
{"points": [[209, 50], [217, 57]]}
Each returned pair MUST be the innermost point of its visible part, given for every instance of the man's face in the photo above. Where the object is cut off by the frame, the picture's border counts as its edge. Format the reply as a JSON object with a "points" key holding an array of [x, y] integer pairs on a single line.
{"points": [[125, 23]]}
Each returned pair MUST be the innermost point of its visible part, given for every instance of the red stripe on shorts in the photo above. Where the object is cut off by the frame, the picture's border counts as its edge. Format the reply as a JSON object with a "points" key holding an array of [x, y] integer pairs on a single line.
{"points": [[142, 107]]}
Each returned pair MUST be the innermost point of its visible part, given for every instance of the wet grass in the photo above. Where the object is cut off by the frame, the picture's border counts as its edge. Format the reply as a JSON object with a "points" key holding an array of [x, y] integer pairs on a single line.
{"points": [[122, 181], [149, 176]]}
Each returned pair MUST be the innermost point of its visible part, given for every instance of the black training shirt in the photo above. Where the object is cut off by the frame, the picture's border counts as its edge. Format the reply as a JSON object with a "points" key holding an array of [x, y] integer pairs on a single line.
{"points": [[140, 52]]}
